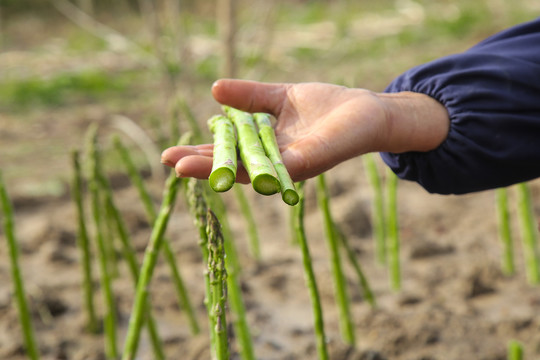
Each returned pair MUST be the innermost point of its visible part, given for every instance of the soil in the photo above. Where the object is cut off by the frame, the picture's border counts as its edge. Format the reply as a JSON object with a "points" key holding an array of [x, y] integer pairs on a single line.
{"points": [[455, 302]]}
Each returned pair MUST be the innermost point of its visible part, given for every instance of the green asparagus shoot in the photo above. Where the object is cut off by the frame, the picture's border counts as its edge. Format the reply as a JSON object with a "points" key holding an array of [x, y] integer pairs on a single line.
{"points": [[268, 139], [529, 235], [378, 217], [260, 169], [515, 350], [505, 233], [218, 285], [311, 283], [106, 281], [18, 283], [84, 245], [393, 230], [340, 289], [223, 173], [148, 265]]}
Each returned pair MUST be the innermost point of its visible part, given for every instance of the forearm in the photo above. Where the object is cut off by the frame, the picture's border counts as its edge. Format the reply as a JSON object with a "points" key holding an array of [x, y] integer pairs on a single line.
{"points": [[413, 122]]}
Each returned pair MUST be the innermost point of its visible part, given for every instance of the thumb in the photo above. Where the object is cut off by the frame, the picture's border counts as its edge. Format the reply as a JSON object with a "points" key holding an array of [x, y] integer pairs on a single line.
{"points": [[251, 96]]}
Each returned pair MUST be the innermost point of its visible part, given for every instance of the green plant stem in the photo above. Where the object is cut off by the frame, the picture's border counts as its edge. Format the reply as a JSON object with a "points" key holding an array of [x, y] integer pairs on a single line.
{"points": [[393, 230], [505, 233], [218, 285], [268, 139], [25, 318], [198, 208], [131, 259], [106, 281], [515, 350], [83, 243], [364, 283], [378, 215], [528, 234], [250, 221], [232, 263], [346, 324], [151, 214], [309, 274], [260, 169], [148, 265], [224, 165]]}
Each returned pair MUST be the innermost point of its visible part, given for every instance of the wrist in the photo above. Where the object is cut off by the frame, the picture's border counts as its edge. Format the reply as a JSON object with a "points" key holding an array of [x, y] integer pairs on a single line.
{"points": [[413, 122]]}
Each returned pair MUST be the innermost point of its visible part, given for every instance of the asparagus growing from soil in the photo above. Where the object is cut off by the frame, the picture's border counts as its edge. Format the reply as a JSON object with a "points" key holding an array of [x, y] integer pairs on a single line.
{"points": [[505, 233], [393, 230], [378, 215], [260, 169], [148, 265], [268, 139], [131, 259], [198, 208], [218, 285], [528, 234], [311, 282], [151, 214], [223, 173], [345, 318], [106, 281], [364, 284], [83, 244], [25, 319], [515, 350]]}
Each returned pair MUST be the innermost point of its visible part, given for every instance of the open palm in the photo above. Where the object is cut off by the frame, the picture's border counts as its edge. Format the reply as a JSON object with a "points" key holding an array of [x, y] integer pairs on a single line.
{"points": [[318, 125]]}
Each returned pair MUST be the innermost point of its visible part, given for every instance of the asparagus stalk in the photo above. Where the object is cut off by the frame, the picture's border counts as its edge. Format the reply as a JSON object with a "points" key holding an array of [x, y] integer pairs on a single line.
{"points": [[346, 324], [515, 350], [364, 284], [25, 319], [151, 215], [131, 259], [260, 169], [198, 208], [311, 283], [250, 220], [268, 139], [83, 244], [218, 285], [377, 208], [106, 281], [232, 263], [148, 265], [393, 230], [505, 233], [223, 173], [529, 236]]}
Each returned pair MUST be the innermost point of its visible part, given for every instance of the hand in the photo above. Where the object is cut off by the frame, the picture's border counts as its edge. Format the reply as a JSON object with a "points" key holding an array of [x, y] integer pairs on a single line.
{"points": [[321, 125]]}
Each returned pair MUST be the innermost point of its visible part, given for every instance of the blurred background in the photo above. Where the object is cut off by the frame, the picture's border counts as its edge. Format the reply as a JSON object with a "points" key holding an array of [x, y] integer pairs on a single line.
{"points": [[65, 64]]}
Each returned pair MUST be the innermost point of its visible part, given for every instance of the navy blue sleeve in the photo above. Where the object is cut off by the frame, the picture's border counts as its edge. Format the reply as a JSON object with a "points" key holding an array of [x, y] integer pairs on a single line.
{"points": [[492, 94]]}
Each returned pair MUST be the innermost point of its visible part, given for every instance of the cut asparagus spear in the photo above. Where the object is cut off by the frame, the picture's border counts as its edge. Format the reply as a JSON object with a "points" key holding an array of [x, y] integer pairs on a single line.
{"points": [[224, 165], [269, 142], [260, 169]]}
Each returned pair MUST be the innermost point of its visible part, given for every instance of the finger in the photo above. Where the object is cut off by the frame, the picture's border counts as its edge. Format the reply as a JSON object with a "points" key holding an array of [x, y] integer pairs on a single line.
{"points": [[171, 155], [200, 167], [251, 96]]}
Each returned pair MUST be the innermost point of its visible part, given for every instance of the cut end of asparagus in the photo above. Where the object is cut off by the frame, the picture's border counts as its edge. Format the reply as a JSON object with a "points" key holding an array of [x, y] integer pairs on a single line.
{"points": [[266, 184], [290, 197], [221, 179]]}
